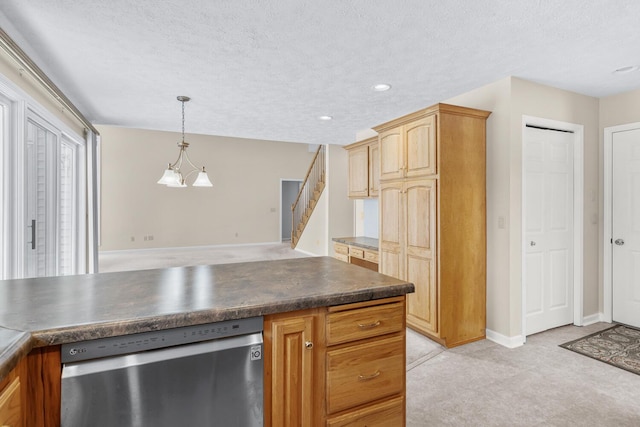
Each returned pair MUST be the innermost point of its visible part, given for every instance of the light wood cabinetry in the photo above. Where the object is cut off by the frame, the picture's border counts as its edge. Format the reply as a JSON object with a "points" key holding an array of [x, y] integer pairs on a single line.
{"points": [[365, 363], [336, 366], [367, 258], [14, 397], [291, 349], [408, 150], [364, 173], [11, 404], [433, 220], [407, 245]]}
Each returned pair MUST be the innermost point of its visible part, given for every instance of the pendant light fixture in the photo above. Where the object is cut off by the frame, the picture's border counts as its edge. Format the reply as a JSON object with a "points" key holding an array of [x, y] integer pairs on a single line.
{"points": [[174, 175]]}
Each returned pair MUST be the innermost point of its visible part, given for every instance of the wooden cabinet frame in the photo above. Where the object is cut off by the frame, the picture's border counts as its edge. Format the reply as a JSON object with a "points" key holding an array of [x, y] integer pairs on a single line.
{"points": [[442, 148]]}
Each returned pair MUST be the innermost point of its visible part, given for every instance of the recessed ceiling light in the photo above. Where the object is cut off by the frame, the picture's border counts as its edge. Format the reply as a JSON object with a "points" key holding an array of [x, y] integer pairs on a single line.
{"points": [[325, 118], [381, 87], [625, 70]]}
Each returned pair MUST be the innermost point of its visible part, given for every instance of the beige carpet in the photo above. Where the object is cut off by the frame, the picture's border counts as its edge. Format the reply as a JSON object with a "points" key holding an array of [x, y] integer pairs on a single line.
{"points": [[178, 257]]}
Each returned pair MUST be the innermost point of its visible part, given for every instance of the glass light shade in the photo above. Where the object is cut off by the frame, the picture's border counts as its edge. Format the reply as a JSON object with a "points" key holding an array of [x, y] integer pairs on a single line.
{"points": [[177, 181], [169, 177], [202, 180]]}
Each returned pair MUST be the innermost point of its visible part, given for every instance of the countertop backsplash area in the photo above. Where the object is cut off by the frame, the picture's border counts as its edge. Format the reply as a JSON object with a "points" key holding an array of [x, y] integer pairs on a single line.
{"points": [[366, 218]]}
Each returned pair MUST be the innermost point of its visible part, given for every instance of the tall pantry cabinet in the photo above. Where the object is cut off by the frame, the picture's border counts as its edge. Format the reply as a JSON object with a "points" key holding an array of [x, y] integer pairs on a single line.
{"points": [[433, 218]]}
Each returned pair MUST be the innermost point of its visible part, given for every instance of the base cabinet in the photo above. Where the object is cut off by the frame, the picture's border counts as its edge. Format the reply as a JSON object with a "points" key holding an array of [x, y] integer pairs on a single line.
{"points": [[336, 366], [290, 349], [385, 414], [11, 404]]}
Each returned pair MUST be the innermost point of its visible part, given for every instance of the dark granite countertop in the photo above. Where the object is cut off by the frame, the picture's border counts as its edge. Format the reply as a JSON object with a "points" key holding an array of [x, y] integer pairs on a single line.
{"points": [[361, 242], [57, 310]]}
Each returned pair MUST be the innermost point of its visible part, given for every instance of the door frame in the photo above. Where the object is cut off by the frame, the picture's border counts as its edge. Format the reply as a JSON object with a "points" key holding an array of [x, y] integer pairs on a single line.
{"points": [[578, 215], [607, 247], [280, 208]]}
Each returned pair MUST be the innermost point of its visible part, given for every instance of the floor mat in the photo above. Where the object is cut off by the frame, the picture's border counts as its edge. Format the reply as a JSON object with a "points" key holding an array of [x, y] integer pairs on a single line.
{"points": [[618, 346]]}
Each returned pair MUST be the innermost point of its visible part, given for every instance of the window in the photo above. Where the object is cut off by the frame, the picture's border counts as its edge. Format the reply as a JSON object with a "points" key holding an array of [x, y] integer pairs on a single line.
{"points": [[42, 190]]}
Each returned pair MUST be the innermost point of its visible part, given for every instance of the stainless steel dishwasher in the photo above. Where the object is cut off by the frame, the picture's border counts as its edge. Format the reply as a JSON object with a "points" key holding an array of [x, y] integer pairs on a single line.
{"points": [[203, 375]]}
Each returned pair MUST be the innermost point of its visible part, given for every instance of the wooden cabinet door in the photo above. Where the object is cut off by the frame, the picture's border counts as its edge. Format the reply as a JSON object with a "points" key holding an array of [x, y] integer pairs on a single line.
{"points": [[420, 140], [10, 405], [374, 169], [391, 236], [359, 172], [420, 237], [392, 154], [289, 370]]}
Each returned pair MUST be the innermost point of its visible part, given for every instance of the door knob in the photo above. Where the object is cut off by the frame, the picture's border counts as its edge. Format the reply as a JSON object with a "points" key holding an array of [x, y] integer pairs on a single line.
{"points": [[308, 344], [619, 242]]}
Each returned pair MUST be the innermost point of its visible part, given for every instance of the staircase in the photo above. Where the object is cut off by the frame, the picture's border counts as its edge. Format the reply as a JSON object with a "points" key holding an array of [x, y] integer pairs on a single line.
{"points": [[308, 196]]}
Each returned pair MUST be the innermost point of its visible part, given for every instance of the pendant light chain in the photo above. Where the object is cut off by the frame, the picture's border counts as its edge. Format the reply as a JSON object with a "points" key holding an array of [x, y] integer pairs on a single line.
{"points": [[182, 120]]}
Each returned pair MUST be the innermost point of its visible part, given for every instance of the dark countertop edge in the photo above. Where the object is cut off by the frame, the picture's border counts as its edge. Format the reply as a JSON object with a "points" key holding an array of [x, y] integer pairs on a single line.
{"points": [[14, 352], [168, 321], [26, 341], [353, 241]]}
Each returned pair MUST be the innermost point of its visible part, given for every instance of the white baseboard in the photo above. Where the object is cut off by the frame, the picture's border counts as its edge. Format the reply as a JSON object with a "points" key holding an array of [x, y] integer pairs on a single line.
{"points": [[306, 252], [593, 318], [187, 248], [503, 340]]}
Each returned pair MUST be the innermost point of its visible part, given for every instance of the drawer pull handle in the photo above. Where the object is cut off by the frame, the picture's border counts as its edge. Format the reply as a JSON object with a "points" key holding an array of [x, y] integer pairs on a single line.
{"points": [[369, 325], [368, 377], [308, 345]]}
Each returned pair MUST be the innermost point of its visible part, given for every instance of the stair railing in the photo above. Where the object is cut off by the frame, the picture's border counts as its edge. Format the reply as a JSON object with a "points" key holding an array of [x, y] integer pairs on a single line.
{"points": [[303, 206]]}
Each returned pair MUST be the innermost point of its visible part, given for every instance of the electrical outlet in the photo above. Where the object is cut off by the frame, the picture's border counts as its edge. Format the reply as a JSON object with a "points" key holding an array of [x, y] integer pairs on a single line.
{"points": [[273, 209], [145, 238], [133, 239], [500, 221], [150, 237], [236, 234]]}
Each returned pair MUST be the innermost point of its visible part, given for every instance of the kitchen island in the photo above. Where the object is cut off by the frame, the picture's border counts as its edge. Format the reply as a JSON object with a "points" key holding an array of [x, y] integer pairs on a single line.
{"points": [[38, 315]]}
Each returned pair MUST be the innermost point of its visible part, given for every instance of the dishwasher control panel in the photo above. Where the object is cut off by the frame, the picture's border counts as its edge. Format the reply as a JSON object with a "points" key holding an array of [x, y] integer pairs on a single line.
{"points": [[126, 344]]}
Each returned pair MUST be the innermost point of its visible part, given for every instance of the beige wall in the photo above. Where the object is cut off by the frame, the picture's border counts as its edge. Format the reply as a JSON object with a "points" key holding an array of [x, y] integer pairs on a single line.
{"points": [[242, 207], [509, 99], [496, 97], [340, 209], [333, 215]]}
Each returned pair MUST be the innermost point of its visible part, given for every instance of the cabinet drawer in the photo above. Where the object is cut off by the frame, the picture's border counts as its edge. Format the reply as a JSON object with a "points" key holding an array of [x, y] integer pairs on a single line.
{"points": [[389, 413], [10, 411], [356, 252], [367, 322], [363, 373], [339, 248], [341, 257], [371, 256]]}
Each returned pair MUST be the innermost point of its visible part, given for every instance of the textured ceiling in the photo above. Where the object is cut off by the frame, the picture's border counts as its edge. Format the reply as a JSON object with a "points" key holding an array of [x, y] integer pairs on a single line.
{"points": [[267, 69]]}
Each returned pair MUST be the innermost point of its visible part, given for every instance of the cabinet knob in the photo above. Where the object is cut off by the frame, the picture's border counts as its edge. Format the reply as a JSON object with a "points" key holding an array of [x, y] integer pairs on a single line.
{"points": [[308, 344]]}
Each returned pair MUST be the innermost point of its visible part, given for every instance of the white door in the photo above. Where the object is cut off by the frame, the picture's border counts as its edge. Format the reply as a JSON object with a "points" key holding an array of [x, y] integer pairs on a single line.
{"points": [[548, 225], [40, 181], [626, 227]]}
